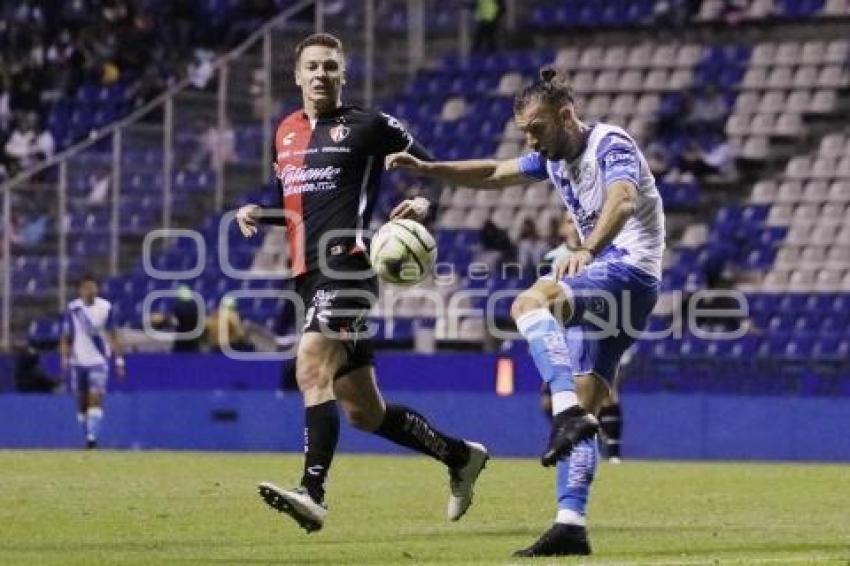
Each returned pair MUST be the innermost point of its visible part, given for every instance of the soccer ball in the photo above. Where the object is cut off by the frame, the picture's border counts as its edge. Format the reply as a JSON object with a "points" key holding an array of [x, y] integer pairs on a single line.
{"points": [[403, 252]]}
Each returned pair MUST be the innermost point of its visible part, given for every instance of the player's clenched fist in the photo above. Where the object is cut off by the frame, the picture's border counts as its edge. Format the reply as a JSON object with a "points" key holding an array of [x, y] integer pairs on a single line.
{"points": [[403, 160], [247, 218]]}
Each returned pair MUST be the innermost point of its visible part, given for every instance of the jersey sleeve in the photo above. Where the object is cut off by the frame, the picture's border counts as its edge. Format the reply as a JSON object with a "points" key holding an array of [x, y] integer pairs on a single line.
{"points": [[394, 137], [533, 165], [618, 159]]}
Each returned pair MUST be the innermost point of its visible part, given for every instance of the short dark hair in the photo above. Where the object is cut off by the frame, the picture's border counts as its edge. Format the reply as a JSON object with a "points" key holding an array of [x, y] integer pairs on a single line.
{"points": [[549, 89], [86, 277], [321, 39]]}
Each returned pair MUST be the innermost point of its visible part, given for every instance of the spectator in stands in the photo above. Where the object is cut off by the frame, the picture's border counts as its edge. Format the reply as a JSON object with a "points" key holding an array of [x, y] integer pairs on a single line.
{"points": [[658, 159], [224, 324], [202, 68], [488, 15], [99, 182], [217, 146], [66, 63], [497, 240], [707, 110], [716, 157], [674, 13], [530, 248], [28, 144], [183, 319], [29, 376]]}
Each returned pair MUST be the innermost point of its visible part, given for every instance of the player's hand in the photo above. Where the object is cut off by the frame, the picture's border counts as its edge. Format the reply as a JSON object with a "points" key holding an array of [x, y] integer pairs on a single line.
{"points": [[64, 364], [403, 160], [247, 218], [414, 208], [574, 264]]}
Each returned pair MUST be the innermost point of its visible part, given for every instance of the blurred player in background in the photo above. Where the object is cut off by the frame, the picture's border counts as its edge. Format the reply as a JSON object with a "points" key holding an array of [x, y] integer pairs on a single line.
{"points": [[329, 161], [614, 275], [87, 346]]}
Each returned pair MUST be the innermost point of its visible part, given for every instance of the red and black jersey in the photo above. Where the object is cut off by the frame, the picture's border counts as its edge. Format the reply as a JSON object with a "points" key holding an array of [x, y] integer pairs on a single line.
{"points": [[329, 175]]}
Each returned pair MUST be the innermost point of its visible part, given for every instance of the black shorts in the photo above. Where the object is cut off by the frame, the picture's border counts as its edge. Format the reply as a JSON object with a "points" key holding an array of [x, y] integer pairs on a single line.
{"points": [[338, 306]]}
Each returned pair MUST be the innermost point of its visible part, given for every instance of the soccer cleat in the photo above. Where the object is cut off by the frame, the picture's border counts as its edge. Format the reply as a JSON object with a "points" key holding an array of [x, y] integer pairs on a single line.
{"points": [[568, 428], [91, 444], [462, 480], [296, 503], [614, 460], [559, 540]]}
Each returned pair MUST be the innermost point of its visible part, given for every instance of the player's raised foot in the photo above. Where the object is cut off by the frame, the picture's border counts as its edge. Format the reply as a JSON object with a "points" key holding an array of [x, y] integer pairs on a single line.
{"points": [[559, 540], [568, 428], [296, 503], [462, 480]]}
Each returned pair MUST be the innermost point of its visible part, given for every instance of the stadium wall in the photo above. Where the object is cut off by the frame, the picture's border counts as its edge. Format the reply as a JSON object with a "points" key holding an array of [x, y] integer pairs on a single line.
{"points": [[457, 391]]}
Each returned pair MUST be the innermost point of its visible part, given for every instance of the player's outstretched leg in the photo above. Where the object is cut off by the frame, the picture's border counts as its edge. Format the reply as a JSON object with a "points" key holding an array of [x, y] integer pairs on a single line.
{"points": [[360, 398], [465, 460]]}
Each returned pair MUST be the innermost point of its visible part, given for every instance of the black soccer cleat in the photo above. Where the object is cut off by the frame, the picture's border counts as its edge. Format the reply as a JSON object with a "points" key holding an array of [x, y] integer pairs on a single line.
{"points": [[296, 503], [559, 540], [91, 444], [568, 429]]}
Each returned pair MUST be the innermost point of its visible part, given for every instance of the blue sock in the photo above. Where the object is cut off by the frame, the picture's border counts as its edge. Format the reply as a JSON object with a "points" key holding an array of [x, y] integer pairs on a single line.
{"points": [[548, 347], [574, 476], [94, 416]]}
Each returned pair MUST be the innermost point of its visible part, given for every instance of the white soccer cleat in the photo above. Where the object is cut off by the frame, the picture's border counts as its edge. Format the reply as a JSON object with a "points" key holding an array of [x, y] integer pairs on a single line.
{"points": [[296, 503], [462, 480]]}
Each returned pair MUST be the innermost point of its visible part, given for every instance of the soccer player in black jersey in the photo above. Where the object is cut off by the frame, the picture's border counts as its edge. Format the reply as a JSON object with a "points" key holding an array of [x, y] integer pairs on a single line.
{"points": [[329, 158]]}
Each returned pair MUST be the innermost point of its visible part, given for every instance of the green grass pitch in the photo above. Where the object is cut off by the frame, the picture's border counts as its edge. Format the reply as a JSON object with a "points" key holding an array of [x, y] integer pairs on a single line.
{"points": [[200, 508]]}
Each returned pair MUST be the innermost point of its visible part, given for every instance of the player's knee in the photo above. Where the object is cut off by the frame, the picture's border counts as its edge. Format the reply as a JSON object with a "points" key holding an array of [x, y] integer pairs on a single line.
{"points": [[364, 419], [524, 303]]}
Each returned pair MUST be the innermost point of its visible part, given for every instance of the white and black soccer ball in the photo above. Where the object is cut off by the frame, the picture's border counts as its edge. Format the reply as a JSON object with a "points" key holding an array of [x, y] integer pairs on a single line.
{"points": [[403, 252]]}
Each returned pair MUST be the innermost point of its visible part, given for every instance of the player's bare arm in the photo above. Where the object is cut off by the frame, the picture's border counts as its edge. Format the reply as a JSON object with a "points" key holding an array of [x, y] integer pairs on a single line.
{"points": [[118, 352], [619, 206], [64, 352], [475, 173]]}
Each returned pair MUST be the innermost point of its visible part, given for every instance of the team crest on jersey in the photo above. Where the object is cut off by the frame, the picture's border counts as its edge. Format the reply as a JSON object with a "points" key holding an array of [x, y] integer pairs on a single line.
{"points": [[339, 133]]}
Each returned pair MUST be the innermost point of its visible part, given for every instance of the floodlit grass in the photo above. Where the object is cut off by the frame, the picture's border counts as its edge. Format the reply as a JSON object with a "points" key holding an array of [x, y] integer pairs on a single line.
{"points": [[202, 508]]}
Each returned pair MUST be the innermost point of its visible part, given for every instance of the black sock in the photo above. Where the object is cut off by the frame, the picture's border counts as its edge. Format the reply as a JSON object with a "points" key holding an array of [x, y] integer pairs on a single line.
{"points": [[321, 433], [408, 428], [611, 422]]}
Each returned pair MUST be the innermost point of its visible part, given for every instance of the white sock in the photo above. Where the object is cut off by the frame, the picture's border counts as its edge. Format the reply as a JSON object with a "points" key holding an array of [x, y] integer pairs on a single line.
{"points": [[570, 517], [563, 400]]}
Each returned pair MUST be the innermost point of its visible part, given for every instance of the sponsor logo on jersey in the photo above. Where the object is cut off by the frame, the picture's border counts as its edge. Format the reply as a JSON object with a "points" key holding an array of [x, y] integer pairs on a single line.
{"points": [[618, 157], [292, 174], [339, 132], [288, 138], [297, 180]]}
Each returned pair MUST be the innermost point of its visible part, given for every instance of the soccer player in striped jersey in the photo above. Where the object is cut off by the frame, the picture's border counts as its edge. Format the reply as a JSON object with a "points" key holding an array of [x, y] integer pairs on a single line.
{"points": [[88, 344], [613, 276]]}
